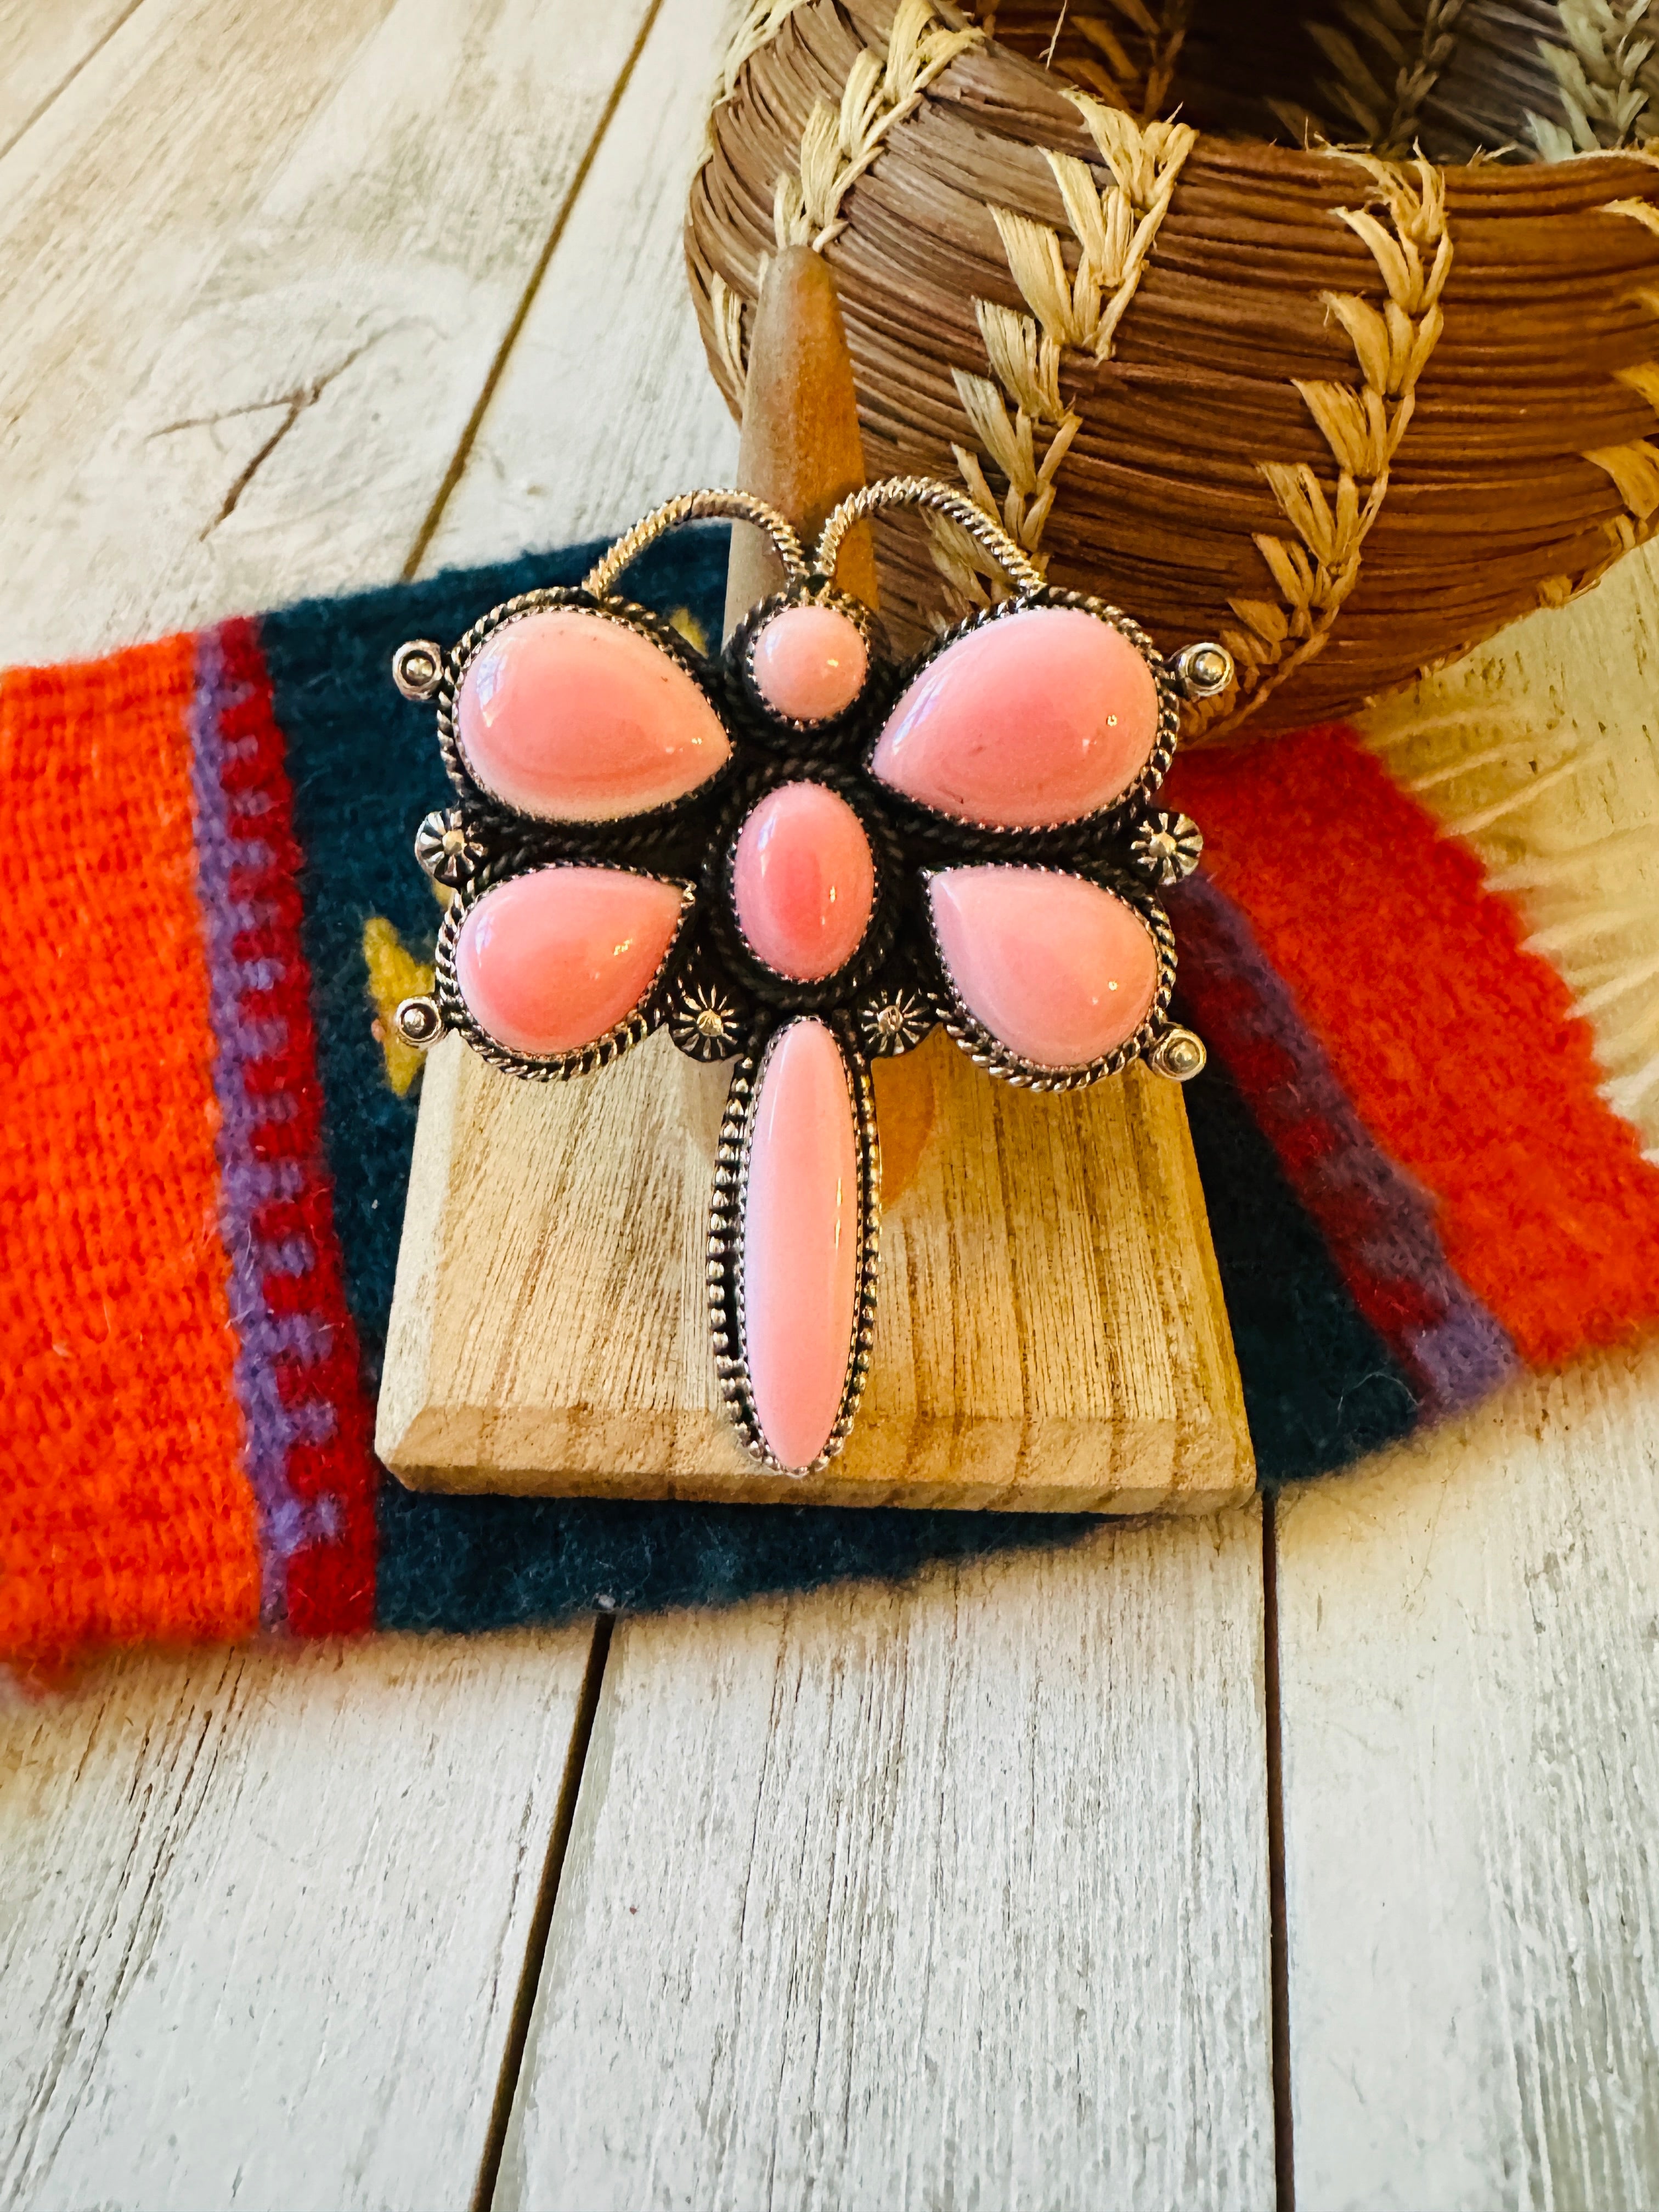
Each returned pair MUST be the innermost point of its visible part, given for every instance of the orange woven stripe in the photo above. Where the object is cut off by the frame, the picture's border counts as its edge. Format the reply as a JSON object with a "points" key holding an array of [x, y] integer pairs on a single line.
{"points": [[124, 1512], [1460, 1049]]}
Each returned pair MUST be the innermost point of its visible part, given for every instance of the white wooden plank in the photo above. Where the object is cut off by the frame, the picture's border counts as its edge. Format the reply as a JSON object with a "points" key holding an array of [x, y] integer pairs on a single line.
{"points": [[113, 209], [210, 413], [1468, 1632], [1468, 1638], [264, 1915], [44, 46], [730, 1875], [956, 1895], [606, 404], [261, 1920]]}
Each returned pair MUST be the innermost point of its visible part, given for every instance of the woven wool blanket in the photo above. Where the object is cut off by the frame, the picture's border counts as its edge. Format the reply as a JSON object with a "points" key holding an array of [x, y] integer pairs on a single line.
{"points": [[1418, 1176]]}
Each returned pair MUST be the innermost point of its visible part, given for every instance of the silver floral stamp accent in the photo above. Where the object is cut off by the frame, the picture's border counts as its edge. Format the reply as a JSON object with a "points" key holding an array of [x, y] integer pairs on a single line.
{"points": [[443, 849], [896, 1021], [704, 1022], [1167, 846]]}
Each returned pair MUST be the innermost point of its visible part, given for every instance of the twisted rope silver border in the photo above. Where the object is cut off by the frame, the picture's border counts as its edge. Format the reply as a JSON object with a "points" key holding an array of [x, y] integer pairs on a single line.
{"points": [[988, 1052], [695, 507], [925, 491], [552, 599], [1117, 811], [727, 1316], [550, 1067]]}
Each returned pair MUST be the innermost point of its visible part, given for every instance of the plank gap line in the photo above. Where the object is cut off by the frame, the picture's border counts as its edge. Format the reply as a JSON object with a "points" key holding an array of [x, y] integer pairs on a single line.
{"points": [[535, 1950], [510, 338], [66, 81]]}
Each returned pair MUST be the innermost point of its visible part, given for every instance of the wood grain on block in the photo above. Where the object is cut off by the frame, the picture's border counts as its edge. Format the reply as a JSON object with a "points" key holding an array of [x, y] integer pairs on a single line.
{"points": [[1050, 1333], [1052, 1336], [948, 1896]]}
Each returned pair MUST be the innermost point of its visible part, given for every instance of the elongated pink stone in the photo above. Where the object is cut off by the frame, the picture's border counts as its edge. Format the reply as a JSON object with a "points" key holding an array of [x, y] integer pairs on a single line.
{"points": [[809, 663], [803, 881], [800, 1243], [574, 718], [554, 959], [1043, 717], [1058, 970]]}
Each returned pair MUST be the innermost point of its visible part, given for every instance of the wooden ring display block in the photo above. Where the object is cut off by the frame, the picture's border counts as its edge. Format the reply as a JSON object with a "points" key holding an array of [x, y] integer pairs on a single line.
{"points": [[1050, 1332]]}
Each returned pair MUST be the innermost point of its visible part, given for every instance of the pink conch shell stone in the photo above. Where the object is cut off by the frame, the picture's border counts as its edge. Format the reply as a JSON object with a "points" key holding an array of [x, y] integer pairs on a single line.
{"points": [[1058, 970], [801, 1230], [553, 960], [803, 881], [1043, 717], [809, 663], [574, 718]]}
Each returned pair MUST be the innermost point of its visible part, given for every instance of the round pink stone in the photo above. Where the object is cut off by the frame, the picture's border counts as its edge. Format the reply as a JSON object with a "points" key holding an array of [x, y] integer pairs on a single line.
{"points": [[551, 961], [809, 663], [1058, 970], [574, 718], [1043, 717], [801, 1233], [803, 881]]}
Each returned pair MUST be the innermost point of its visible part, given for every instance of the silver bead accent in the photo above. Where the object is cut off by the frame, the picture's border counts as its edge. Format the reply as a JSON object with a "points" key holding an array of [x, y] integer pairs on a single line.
{"points": [[1167, 846], [419, 1022], [442, 849], [1179, 1054], [1203, 670], [418, 668]]}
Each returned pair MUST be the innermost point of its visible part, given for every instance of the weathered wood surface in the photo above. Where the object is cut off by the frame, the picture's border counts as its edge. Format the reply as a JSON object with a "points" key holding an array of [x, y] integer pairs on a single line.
{"points": [[44, 42], [604, 405], [1468, 1630], [264, 1915], [948, 1897], [1470, 1703], [1050, 1336], [261, 1921], [150, 2072], [258, 266]]}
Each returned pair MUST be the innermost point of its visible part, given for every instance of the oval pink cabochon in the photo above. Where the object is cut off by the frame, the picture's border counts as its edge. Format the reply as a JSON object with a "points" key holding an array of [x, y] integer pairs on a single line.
{"points": [[803, 881], [1044, 716], [554, 960], [1057, 970], [572, 717], [801, 1237]]}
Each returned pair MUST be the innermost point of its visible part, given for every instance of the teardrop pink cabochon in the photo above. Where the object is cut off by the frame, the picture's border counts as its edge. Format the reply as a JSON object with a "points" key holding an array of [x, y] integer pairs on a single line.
{"points": [[803, 881], [554, 959], [1044, 716], [1059, 970], [572, 717], [801, 1233]]}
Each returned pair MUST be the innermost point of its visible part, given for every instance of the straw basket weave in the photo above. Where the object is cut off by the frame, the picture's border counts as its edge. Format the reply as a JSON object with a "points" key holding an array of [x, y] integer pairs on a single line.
{"points": [[1347, 409]]}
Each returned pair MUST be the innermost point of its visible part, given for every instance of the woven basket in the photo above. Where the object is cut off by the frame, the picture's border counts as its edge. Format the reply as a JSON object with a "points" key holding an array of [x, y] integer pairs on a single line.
{"points": [[1350, 412]]}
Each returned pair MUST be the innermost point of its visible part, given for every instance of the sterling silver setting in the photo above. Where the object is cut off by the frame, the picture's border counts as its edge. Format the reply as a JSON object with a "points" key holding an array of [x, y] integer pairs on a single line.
{"points": [[717, 998], [727, 1310]]}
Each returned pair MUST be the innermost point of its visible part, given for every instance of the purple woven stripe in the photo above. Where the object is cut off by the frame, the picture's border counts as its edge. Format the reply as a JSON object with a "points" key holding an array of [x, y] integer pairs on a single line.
{"points": [[1377, 1220], [247, 1183]]}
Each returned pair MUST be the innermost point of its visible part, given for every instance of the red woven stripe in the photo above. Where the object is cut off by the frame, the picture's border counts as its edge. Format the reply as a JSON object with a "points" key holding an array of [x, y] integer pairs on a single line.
{"points": [[329, 1585], [1459, 1049]]}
